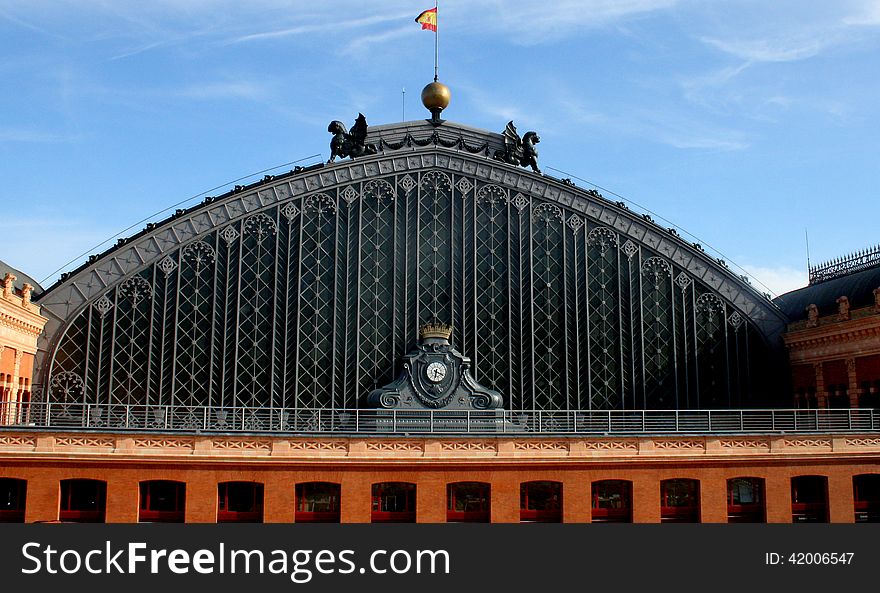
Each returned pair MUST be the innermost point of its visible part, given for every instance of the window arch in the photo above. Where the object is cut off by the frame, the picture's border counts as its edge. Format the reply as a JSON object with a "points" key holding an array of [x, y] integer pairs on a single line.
{"points": [[13, 497], [393, 502], [162, 501], [680, 501], [809, 499], [317, 502], [240, 502], [866, 495], [83, 501], [745, 500], [612, 501], [540, 502], [468, 502]]}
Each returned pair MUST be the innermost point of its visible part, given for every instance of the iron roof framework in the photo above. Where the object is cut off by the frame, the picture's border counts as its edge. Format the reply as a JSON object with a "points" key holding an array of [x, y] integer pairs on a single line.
{"points": [[305, 292]]}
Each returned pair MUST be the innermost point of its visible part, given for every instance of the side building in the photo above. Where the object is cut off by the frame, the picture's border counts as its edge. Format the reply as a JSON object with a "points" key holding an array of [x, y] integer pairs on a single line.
{"points": [[427, 332]]}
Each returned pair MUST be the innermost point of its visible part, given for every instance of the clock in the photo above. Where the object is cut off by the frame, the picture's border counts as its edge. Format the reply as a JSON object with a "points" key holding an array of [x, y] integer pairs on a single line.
{"points": [[436, 371]]}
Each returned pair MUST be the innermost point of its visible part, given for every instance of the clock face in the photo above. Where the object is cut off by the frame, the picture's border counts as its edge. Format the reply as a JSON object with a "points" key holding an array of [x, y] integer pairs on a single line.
{"points": [[436, 371]]}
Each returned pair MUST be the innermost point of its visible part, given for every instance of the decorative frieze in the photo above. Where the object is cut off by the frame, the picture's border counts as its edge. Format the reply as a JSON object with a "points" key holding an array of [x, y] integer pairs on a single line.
{"points": [[85, 442], [807, 443], [468, 446], [15, 441], [395, 446], [740, 444], [163, 443], [319, 446], [679, 445], [242, 445], [542, 446]]}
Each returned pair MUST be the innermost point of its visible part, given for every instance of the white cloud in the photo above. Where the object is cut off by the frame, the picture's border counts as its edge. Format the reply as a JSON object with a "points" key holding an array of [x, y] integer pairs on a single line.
{"points": [[35, 136], [867, 15], [778, 280], [786, 49]]}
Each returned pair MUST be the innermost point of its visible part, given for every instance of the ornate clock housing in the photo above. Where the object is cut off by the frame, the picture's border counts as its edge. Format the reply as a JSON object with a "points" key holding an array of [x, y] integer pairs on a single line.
{"points": [[435, 376], [436, 371]]}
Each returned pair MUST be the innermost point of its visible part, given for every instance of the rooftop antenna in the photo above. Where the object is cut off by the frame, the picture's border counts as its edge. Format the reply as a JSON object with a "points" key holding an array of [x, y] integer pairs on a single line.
{"points": [[807, 240], [403, 105]]}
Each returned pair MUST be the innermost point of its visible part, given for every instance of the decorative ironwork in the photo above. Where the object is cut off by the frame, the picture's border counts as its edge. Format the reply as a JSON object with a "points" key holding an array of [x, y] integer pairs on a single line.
{"points": [[843, 266], [312, 302], [191, 419]]}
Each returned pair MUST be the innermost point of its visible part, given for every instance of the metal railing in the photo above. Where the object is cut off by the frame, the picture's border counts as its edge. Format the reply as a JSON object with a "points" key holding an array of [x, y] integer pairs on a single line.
{"points": [[109, 418]]}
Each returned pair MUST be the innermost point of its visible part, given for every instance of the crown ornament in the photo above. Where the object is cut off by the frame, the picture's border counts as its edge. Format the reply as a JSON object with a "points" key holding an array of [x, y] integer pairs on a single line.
{"points": [[435, 329]]}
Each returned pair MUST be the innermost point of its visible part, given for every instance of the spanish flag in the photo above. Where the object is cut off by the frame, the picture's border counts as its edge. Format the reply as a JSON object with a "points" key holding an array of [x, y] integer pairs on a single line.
{"points": [[428, 19]]}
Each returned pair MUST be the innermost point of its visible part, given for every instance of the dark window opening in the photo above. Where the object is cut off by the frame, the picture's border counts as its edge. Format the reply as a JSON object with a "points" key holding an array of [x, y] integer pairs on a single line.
{"points": [[680, 501], [612, 501], [162, 501], [394, 502], [866, 493], [83, 501], [317, 502], [540, 502], [838, 396], [870, 396], [468, 502], [809, 499], [13, 495], [240, 502], [745, 500]]}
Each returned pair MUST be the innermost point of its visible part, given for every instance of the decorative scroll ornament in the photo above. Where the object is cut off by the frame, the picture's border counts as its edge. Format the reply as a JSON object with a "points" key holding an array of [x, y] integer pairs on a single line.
{"points": [[629, 249], [435, 376], [199, 254], [656, 267], [519, 151], [491, 195], [103, 305], [378, 189], [520, 201], [67, 387], [353, 144], [167, 265], [319, 204], [229, 234], [289, 211], [136, 289], [260, 226], [547, 213], [709, 304], [603, 238]]}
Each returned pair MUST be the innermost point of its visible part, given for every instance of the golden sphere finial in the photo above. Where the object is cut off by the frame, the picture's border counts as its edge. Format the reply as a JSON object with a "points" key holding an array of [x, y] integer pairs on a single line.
{"points": [[435, 97]]}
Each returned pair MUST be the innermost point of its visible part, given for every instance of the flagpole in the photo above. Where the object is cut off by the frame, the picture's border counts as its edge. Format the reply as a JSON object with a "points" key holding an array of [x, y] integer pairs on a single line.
{"points": [[436, 38]]}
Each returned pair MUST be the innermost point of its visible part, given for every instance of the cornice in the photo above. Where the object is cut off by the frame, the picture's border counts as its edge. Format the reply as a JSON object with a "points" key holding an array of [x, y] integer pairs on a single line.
{"points": [[862, 334], [345, 451]]}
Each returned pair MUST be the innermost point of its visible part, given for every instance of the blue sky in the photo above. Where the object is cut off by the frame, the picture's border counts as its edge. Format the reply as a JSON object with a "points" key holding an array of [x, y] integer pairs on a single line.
{"points": [[743, 122]]}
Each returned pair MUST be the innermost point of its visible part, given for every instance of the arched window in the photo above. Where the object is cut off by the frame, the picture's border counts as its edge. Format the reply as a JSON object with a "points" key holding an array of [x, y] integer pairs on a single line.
{"points": [[162, 501], [83, 501], [13, 494], [866, 493], [317, 502], [240, 502], [809, 499], [612, 501], [680, 501], [745, 500], [468, 502], [540, 502], [394, 502]]}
